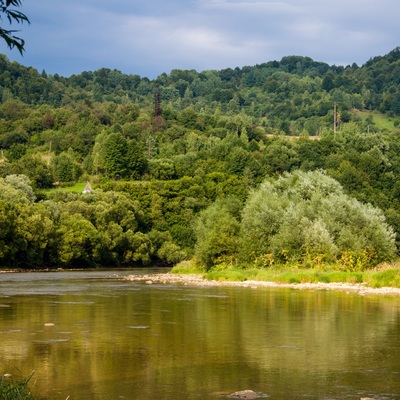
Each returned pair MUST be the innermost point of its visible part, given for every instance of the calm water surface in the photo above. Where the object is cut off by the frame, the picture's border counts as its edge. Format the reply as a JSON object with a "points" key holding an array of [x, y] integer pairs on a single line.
{"points": [[114, 339]]}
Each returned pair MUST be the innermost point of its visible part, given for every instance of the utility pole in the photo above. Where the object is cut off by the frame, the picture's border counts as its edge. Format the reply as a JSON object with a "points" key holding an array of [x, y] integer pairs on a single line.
{"points": [[334, 117], [49, 157], [157, 102], [158, 121], [151, 145]]}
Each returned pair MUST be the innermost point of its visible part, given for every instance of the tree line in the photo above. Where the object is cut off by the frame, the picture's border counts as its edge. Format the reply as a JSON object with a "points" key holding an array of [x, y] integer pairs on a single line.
{"points": [[181, 181]]}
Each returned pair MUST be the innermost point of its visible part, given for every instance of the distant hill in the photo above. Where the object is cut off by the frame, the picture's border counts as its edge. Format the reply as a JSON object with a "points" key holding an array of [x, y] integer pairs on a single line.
{"points": [[163, 153], [274, 89]]}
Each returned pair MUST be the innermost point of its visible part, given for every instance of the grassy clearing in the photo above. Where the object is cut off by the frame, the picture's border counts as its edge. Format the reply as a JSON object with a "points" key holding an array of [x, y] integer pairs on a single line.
{"points": [[387, 275], [75, 188], [381, 121]]}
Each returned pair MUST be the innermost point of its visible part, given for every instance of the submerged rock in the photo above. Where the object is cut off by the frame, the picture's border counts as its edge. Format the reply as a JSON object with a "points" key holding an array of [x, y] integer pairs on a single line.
{"points": [[243, 394]]}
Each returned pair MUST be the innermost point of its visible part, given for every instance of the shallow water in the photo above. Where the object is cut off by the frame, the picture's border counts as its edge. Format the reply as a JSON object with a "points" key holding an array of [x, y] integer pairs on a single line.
{"points": [[89, 335]]}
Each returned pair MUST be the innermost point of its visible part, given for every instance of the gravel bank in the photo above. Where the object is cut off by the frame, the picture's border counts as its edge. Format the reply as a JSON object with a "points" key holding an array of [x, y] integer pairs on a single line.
{"points": [[197, 280]]}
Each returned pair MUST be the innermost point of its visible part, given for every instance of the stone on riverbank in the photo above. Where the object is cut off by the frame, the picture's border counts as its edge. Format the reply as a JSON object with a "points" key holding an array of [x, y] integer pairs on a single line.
{"points": [[244, 394], [197, 280]]}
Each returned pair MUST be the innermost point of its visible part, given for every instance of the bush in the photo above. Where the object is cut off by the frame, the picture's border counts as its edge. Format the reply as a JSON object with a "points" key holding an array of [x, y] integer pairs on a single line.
{"points": [[188, 267], [305, 218], [217, 231]]}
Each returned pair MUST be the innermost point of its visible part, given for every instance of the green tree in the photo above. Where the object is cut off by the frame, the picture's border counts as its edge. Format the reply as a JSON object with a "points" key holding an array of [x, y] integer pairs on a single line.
{"points": [[306, 217], [34, 234], [64, 167], [7, 225], [217, 230], [15, 189], [139, 248], [238, 160], [136, 159], [16, 151], [36, 169], [114, 155], [77, 241], [328, 82], [170, 253], [281, 156], [12, 15], [23, 184]]}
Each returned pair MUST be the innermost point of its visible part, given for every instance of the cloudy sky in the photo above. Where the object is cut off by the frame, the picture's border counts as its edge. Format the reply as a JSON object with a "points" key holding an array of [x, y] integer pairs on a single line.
{"points": [[149, 37]]}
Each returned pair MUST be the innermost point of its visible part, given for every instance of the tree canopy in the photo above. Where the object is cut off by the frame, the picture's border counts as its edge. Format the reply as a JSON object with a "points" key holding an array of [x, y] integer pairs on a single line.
{"points": [[235, 166], [305, 217]]}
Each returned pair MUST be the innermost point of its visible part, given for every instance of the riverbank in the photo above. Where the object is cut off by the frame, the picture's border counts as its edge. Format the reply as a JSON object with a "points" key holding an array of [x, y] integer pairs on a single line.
{"points": [[198, 280]]}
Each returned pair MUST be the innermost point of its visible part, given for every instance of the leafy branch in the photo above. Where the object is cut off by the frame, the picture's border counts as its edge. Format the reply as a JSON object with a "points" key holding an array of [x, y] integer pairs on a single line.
{"points": [[12, 15]]}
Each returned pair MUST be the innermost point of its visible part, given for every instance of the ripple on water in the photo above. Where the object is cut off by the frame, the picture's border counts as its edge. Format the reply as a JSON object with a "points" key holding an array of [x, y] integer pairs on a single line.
{"points": [[287, 346], [50, 341], [11, 331], [138, 327], [74, 302]]}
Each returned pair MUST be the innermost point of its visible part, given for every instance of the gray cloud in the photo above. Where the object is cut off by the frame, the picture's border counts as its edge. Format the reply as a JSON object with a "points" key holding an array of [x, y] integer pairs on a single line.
{"points": [[155, 36]]}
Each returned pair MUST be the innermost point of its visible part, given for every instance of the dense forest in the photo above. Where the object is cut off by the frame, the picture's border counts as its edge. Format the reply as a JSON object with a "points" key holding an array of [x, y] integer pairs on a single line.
{"points": [[287, 162]]}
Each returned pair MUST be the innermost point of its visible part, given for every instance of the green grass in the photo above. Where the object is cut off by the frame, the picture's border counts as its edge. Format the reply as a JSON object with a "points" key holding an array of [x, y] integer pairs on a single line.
{"points": [[285, 274], [384, 276], [75, 188], [15, 389], [381, 121], [188, 267]]}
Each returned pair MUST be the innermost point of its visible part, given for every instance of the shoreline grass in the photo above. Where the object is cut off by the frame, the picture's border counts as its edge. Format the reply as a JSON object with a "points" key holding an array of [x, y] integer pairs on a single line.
{"points": [[386, 275], [15, 388]]}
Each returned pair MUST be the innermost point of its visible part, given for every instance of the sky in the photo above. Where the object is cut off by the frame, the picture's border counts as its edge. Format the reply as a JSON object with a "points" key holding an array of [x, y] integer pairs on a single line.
{"points": [[150, 37]]}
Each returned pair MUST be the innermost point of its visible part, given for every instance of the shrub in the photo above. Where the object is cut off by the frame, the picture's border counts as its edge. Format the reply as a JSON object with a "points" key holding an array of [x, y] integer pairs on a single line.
{"points": [[305, 218]]}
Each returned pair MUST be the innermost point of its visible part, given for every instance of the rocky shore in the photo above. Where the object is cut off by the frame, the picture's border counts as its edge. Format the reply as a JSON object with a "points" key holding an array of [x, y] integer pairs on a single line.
{"points": [[197, 280]]}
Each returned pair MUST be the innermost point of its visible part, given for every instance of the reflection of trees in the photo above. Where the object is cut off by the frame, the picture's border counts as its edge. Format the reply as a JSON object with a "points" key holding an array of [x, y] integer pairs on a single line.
{"points": [[199, 339]]}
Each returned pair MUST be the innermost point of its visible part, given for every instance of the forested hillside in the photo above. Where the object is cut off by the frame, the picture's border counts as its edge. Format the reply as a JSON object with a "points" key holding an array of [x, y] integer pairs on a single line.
{"points": [[292, 161]]}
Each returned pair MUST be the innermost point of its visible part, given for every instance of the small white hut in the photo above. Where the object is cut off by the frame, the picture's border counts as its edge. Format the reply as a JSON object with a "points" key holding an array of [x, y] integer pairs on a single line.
{"points": [[88, 188]]}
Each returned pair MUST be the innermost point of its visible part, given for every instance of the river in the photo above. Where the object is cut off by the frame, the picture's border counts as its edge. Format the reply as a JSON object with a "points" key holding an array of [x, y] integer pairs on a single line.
{"points": [[91, 335]]}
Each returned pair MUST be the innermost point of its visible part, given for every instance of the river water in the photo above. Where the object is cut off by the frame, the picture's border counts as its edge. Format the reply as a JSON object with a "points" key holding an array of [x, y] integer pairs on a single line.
{"points": [[91, 335]]}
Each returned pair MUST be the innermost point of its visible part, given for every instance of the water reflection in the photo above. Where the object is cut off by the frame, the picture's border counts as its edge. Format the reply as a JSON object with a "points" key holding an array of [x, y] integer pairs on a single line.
{"points": [[89, 335]]}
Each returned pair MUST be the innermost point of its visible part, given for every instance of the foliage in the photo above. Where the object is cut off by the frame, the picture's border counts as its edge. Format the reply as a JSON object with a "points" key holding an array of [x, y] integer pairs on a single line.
{"points": [[171, 187], [217, 231], [81, 231], [283, 275], [12, 15], [65, 168], [188, 267], [306, 218], [388, 276], [12, 389], [23, 184]]}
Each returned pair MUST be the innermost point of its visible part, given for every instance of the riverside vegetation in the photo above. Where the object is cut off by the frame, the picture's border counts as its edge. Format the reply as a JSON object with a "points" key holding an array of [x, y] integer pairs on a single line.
{"points": [[15, 389], [290, 165]]}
